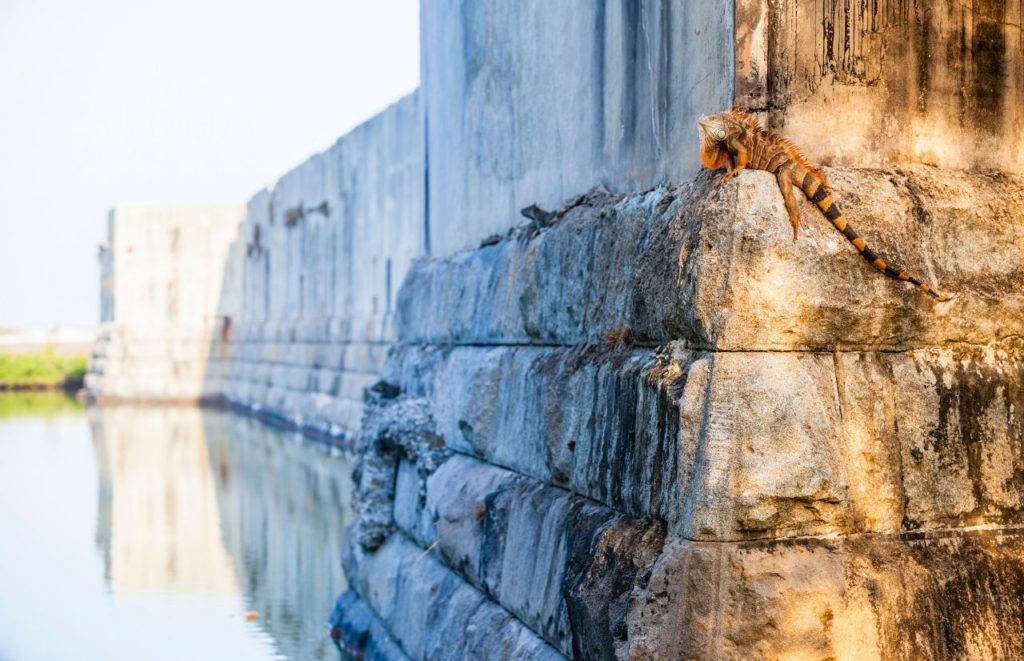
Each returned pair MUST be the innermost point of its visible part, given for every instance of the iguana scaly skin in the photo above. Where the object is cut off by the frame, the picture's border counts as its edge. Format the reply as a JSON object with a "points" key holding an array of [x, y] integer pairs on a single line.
{"points": [[736, 140]]}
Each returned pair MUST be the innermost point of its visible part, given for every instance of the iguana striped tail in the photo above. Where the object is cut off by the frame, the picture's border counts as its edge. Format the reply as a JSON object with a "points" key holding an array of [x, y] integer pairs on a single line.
{"points": [[817, 192]]}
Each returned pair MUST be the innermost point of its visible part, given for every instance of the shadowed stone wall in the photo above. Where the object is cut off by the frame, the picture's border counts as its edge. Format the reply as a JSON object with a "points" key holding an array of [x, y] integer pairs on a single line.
{"points": [[674, 433], [535, 101]]}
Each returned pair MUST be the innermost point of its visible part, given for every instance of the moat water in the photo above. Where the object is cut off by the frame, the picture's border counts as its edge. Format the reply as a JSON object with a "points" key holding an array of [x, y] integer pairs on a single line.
{"points": [[145, 532]]}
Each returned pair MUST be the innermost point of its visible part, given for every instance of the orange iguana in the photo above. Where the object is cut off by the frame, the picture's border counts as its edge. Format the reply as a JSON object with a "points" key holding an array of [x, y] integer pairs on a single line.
{"points": [[736, 140]]}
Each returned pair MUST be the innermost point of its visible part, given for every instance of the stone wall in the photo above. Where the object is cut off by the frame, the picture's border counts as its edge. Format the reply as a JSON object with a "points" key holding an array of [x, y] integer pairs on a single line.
{"points": [[310, 291], [675, 433], [535, 101]]}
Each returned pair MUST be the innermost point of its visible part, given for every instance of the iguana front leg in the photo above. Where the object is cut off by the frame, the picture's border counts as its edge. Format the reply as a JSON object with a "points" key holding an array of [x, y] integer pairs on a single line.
{"points": [[786, 186], [730, 167], [738, 159]]}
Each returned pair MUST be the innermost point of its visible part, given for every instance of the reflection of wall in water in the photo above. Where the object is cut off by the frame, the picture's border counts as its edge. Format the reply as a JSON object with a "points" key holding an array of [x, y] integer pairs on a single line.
{"points": [[286, 502], [158, 524]]}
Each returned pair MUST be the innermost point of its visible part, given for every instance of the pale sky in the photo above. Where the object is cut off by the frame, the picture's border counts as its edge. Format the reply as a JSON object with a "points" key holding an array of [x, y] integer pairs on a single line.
{"points": [[105, 102]]}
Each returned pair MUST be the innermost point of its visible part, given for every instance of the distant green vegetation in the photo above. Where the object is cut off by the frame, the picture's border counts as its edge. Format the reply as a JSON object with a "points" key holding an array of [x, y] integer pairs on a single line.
{"points": [[41, 369], [36, 404]]}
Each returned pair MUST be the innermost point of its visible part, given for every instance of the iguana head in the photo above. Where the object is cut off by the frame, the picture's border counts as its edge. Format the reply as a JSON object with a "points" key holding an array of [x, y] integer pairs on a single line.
{"points": [[714, 130], [716, 127]]}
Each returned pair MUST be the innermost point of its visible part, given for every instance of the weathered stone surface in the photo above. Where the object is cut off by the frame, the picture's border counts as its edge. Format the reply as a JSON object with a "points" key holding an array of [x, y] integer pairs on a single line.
{"points": [[780, 411], [314, 386], [535, 101], [602, 422], [745, 445], [162, 270], [360, 633], [393, 431], [431, 612], [760, 448], [717, 268], [813, 447], [320, 254], [868, 83], [563, 565], [607, 573], [938, 596], [956, 416]]}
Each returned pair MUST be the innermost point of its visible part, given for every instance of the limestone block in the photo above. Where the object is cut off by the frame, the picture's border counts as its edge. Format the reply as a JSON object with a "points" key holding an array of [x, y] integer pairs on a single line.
{"points": [[940, 596], [717, 268], [457, 505], [426, 607], [362, 632], [563, 565], [745, 445], [956, 413], [600, 422], [523, 558], [765, 459], [409, 512], [791, 444]]}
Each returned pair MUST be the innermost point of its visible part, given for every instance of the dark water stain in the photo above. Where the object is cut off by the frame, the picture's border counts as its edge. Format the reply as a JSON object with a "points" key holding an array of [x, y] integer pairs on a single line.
{"points": [[957, 52], [988, 48], [971, 394], [608, 558], [968, 585], [828, 37], [598, 100], [947, 59], [922, 53], [631, 63], [665, 75]]}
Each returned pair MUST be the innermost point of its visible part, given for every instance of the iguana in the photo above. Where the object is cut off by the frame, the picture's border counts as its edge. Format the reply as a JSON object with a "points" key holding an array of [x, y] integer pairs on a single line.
{"points": [[736, 140]]}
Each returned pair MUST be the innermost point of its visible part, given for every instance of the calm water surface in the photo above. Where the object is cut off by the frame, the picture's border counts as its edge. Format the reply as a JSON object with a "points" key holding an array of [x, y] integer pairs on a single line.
{"points": [[141, 532]]}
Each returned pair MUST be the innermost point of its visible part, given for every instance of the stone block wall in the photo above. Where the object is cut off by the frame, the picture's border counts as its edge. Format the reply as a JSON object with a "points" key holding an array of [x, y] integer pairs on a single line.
{"points": [[310, 292], [734, 474]]}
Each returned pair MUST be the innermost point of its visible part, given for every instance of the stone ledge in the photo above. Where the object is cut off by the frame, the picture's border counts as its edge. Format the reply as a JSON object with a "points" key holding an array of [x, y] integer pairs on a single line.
{"points": [[335, 382], [352, 356], [316, 414], [717, 268]]}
